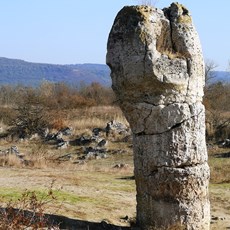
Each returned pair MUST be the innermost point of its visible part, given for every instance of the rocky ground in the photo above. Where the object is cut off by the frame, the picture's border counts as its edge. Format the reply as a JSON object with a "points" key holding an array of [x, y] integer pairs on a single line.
{"points": [[91, 177], [96, 192]]}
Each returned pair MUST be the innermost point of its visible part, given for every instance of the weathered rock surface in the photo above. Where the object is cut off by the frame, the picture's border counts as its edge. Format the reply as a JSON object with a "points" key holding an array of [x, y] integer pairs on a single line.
{"points": [[157, 72], [14, 150]]}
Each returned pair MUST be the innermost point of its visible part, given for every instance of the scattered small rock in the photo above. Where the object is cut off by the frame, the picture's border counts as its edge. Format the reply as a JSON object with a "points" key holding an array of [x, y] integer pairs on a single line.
{"points": [[83, 141], [14, 150], [66, 131], [65, 157], [124, 219], [121, 166], [63, 145], [117, 128], [94, 153], [102, 143], [97, 131], [217, 218], [225, 143]]}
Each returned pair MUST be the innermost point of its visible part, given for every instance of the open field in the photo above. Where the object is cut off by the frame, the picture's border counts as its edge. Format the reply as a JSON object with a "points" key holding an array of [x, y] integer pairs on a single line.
{"points": [[95, 190]]}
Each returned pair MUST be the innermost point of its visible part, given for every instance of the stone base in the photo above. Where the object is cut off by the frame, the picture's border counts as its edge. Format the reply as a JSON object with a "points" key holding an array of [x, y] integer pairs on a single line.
{"points": [[174, 198]]}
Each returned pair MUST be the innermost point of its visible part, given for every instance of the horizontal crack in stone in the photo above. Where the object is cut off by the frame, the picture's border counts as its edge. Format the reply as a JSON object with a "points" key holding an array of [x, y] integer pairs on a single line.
{"points": [[182, 166], [175, 126]]}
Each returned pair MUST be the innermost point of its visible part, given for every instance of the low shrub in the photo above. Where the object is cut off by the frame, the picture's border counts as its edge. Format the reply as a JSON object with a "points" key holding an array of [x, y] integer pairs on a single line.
{"points": [[27, 212]]}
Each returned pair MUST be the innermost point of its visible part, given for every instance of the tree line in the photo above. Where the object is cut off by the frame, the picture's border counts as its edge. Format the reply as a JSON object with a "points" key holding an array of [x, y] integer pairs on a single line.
{"points": [[216, 101], [29, 109], [21, 105]]}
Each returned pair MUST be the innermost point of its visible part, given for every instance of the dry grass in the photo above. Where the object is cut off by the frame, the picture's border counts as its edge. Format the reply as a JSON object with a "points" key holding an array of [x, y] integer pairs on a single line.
{"points": [[34, 155], [10, 160], [42, 155], [3, 126], [95, 190], [27, 212], [219, 162], [84, 120], [84, 193], [92, 191]]}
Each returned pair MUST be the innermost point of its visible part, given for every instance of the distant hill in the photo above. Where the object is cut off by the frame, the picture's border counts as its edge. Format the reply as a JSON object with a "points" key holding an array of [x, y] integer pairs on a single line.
{"points": [[222, 76], [14, 71]]}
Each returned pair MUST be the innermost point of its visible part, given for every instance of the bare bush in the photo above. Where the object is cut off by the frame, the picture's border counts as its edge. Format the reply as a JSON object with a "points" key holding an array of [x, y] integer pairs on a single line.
{"points": [[27, 212], [7, 114], [30, 117], [57, 95], [216, 101], [46, 106], [99, 94], [210, 66]]}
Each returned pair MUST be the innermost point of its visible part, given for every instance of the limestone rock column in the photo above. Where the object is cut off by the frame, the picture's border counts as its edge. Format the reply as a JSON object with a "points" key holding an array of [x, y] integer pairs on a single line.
{"points": [[157, 72]]}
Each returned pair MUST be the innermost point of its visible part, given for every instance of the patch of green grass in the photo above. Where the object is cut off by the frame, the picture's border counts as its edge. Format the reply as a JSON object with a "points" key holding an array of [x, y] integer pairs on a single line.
{"points": [[11, 194], [122, 185], [72, 198], [220, 186], [219, 166], [115, 181], [7, 194]]}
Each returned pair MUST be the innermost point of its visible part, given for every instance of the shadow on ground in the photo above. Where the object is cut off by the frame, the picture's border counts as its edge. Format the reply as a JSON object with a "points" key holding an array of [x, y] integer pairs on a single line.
{"points": [[73, 224], [66, 223], [222, 155]]}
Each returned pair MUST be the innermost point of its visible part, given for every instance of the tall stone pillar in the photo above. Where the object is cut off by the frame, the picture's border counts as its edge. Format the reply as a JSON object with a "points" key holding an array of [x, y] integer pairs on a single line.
{"points": [[157, 72]]}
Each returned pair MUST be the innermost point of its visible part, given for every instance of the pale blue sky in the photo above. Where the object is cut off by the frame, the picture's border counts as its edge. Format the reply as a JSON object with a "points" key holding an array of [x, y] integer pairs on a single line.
{"points": [[76, 31]]}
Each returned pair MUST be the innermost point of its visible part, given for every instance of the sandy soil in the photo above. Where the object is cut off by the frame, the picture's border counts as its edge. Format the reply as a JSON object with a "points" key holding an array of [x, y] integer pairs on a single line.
{"points": [[98, 195], [95, 196]]}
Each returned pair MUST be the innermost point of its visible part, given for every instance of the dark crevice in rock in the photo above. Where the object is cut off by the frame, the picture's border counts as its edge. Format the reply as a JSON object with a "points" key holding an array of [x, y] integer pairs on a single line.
{"points": [[182, 122], [167, 199], [167, 13], [175, 126], [166, 104], [188, 64], [171, 36], [153, 172], [147, 118], [145, 55], [175, 102], [182, 166], [147, 102], [142, 134]]}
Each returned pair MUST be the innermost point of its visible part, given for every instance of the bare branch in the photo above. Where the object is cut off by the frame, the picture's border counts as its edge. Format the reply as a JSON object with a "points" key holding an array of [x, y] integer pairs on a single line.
{"points": [[210, 65]]}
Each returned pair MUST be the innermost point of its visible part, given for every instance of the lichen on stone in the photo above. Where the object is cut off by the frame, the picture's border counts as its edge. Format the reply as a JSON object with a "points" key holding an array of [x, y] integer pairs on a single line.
{"points": [[184, 19], [177, 13], [138, 12]]}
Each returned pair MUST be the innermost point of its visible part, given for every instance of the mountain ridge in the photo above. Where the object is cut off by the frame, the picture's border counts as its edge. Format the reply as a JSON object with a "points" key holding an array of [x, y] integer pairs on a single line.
{"points": [[20, 72], [17, 71]]}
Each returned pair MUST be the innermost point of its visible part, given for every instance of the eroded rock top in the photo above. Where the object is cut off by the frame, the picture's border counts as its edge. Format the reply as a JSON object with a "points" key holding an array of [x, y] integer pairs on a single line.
{"points": [[157, 52]]}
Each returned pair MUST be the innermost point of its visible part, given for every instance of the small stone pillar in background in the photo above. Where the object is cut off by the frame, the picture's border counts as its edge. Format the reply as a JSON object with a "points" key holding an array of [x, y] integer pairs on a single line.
{"points": [[157, 72]]}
